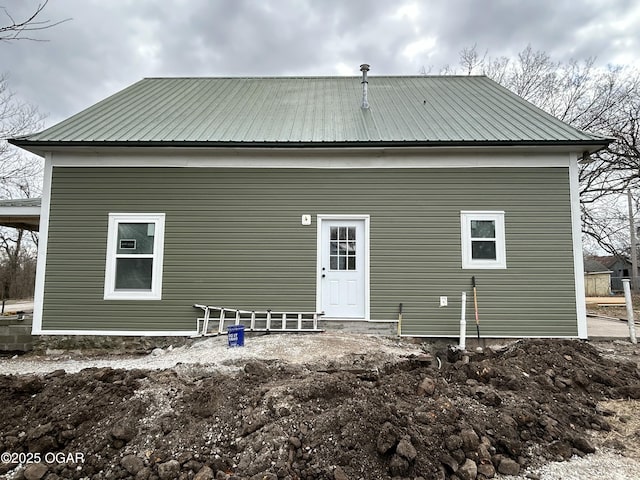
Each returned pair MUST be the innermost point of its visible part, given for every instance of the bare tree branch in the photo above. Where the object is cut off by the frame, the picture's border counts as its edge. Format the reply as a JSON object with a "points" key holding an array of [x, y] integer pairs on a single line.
{"points": [[605, 102], [20, 174], [19, 29]]}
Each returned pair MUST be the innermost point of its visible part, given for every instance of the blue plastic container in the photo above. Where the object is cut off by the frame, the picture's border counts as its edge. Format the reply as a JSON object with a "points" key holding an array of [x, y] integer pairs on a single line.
{"points": [[236, 335]]}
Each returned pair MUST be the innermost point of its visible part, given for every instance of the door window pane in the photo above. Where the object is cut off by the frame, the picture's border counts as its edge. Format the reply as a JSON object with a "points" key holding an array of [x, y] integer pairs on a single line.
{"points": [[342, 248]]}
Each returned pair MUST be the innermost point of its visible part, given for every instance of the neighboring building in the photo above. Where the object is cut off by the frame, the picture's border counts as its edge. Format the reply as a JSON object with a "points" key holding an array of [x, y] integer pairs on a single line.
{"points": [[597, 278], [289, 194], [20, 213], [620, 268], [15, 330]]}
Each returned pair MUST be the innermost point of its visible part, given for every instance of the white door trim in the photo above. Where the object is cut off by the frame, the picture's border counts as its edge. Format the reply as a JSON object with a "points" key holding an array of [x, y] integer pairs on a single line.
{"points": [[326, 217]]}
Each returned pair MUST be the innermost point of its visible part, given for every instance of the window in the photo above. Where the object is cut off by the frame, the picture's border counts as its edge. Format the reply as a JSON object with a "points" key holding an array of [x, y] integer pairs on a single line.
{"points": [[342, 248], [135, 247], [483, 244]]}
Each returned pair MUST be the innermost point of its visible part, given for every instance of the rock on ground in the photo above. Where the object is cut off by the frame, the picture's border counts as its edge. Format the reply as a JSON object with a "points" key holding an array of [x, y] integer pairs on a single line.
{"points": [[328, 419]]}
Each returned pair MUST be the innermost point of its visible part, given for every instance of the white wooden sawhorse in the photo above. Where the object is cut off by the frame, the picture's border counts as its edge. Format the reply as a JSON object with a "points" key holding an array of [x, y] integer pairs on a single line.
{"points": [[256, 321]]}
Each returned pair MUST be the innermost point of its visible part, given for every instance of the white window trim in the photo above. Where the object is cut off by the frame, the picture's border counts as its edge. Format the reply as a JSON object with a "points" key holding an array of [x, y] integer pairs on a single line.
{"points": [[110, 293], [466, 216]]}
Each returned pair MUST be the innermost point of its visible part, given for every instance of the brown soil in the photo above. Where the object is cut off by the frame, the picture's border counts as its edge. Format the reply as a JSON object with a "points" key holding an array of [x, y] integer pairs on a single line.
{"points": [[445, 415]]}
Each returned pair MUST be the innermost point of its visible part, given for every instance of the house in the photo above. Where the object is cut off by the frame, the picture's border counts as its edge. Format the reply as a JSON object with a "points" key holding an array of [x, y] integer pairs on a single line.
{"points": [[597, 278], [346, 195], [619, 265]]}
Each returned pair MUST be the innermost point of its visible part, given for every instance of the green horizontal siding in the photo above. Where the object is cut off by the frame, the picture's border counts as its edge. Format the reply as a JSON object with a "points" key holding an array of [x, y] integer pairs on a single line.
{"points": [[234, 238]]}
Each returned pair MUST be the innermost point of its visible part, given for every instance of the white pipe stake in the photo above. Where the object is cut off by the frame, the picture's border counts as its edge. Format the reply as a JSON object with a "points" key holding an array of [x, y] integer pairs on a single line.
{"points": [[630, 319], [463, 323]]}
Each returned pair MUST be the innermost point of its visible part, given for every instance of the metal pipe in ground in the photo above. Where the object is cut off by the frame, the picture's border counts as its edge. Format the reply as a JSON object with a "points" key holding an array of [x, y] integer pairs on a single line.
{"points": [[463, 323], [629, 302]]}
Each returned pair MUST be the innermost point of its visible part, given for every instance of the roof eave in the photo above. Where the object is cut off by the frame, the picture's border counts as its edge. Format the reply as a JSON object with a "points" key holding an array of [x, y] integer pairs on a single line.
{"points": [[40, 147]]}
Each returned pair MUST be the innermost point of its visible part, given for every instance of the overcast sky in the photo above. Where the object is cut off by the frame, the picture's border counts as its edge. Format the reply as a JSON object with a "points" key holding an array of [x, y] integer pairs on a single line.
{"points": [[110, 44]]}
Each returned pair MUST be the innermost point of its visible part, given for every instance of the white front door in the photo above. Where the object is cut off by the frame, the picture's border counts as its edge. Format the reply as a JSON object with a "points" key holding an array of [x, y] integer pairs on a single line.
{"points": [[342, 266]]}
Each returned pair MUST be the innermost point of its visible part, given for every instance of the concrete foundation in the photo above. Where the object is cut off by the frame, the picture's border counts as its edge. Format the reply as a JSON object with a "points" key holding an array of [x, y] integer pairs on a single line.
{"points": [[15, 333], [352, 326]]}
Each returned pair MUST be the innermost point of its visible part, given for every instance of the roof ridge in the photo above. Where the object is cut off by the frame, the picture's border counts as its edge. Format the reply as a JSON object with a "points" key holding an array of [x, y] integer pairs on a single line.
{"points": [[303, 77]]}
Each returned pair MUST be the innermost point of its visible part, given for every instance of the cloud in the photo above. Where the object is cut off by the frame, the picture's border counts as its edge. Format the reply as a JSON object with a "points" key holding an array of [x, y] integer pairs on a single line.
{"points": [[420, 48], [111, 44]]}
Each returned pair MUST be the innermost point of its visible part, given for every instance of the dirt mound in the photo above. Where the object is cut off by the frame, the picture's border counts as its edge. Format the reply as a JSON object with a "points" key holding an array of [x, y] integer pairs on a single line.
{"points": [[462, 416]]}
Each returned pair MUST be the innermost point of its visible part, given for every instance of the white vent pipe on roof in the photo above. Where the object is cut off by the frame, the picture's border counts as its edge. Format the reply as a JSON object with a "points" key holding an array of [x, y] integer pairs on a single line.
{"points": [[364, 68]]}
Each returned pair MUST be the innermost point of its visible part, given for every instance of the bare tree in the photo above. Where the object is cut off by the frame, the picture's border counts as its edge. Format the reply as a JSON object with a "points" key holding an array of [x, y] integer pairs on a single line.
{"points": [[602, 101], [17, 171], [22, 29], [20, 175], [470, 59]]}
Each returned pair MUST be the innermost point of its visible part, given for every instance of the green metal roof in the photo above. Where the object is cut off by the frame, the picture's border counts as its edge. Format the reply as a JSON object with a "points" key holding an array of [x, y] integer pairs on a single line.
{"points": [[312, 111]]}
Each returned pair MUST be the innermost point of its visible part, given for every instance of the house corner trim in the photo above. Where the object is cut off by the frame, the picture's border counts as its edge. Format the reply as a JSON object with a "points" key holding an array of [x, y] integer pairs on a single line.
{"points": [[578, 262], [43, 234]]}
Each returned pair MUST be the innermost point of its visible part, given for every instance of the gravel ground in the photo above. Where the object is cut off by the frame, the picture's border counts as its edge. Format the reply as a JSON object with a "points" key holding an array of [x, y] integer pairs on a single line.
{"points": [[604, 464], [213, 354]]}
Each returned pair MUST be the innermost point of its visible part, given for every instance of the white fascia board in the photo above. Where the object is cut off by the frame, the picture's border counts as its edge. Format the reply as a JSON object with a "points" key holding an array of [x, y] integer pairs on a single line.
{"points": [[43, 236], [20, 211], [300, 158]]}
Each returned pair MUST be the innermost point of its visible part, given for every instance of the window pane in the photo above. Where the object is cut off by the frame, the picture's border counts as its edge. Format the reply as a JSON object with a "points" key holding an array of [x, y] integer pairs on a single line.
{"points": [[342, 248], [133, 273], [136, 238], [483, 250], [483, 229]]}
